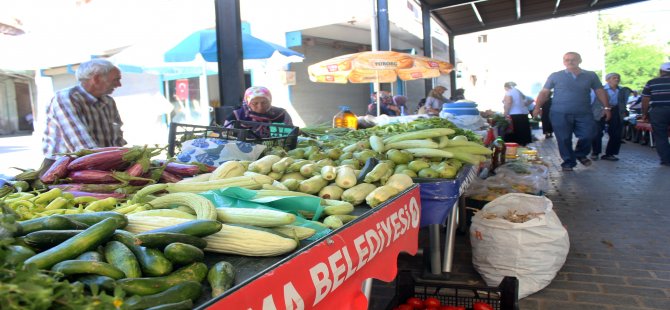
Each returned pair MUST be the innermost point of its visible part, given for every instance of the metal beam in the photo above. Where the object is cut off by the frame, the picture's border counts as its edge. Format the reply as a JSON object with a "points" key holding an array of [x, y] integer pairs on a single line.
{"points": [[518, 9], [479, 17], [594, 2], [452, 3], [558, 3], [383, 28], [231, 68], [427, 42]]}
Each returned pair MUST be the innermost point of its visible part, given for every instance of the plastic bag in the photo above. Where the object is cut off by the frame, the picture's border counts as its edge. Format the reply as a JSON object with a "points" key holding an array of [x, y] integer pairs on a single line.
{"points": [[214, 152], [533, 250], [525, 177]]}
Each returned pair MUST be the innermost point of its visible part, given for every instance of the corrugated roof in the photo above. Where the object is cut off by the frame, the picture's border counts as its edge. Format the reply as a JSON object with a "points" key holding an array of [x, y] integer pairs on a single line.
{"points": [[462, 17]]}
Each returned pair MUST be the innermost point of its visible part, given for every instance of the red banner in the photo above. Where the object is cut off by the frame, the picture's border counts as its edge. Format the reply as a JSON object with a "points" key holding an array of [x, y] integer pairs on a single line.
{"points": [[331, 273]]}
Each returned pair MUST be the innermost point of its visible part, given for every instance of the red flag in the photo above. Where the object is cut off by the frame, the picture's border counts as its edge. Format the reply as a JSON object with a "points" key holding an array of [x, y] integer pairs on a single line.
{"points": [[181, 89]]}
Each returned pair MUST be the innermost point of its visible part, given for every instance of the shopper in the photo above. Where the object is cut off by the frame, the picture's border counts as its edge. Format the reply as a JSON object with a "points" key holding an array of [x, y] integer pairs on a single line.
{"points": [[257, 107], [400, 101], [84, 116], [387, 107], [656, 109], [571, 109], [516, 108], [547, 129], [435, 100], [618, 97]]}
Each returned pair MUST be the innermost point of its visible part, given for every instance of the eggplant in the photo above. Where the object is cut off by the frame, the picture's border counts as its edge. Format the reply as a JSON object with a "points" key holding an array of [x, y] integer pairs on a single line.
{"points": [[96, 195], [167, 177], [92, 177], [107, 160], [58, 170]]}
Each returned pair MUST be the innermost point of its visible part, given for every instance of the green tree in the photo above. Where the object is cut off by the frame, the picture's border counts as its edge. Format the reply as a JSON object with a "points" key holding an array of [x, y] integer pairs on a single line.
{"points": [[627, 53]]}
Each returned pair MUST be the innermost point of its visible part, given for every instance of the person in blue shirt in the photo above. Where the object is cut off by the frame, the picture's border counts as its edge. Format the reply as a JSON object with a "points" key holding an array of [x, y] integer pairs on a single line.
{"points": [[388, 106], [571, 109], [618, 97], [656, 109]]}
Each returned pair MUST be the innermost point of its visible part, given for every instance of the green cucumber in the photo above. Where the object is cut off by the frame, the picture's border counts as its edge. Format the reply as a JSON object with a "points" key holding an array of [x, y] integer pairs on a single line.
{"points": [[178, 293], [71, 267], [46, 239], [17, 254], [198, 228], [52, 222], [182, 253], [148, 286], [162, 239], [73, 247], [221, 277], [152, 261], [106, 283], [183, 305], [91, 256], [92, 218], [120, 256]]}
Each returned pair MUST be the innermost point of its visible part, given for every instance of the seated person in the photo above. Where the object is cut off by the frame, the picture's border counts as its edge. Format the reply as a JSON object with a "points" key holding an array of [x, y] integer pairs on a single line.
{"points": [[400, 101], [387, 107], [257, 107]]}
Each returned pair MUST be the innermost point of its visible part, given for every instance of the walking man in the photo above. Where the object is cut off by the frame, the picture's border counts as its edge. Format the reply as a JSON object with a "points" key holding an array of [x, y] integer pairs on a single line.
{"points": [[656, 110], [618, 97], [571, 109]]}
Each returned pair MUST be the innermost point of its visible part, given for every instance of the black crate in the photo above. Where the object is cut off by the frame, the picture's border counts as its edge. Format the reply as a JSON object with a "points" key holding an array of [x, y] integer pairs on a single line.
{"points": [[270, 135], [503, 297]]}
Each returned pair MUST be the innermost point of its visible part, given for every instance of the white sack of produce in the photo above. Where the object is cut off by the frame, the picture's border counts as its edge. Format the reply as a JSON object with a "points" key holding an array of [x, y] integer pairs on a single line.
{"points": [[214, 152], [518, 235]]}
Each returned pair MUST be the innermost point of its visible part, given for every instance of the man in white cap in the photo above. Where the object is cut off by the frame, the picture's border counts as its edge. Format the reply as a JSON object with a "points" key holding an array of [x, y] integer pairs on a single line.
{"points": [[656, 110]]}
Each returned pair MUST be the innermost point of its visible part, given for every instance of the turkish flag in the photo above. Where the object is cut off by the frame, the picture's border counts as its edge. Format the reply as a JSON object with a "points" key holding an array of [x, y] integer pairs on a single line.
{"points": [[181, 89]]}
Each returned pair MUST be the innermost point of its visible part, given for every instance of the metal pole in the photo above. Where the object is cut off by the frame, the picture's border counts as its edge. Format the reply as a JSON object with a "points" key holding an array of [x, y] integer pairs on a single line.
{"points": [[231, 68]]}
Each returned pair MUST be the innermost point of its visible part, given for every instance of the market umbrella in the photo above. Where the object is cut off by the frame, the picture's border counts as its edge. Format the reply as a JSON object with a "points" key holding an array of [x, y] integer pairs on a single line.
{"points": [[377, 67], [203, 43]]}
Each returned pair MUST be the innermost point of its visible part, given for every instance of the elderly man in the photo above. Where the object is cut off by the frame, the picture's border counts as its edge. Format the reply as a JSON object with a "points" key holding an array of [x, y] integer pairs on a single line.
{"points": [[84, 116], [571, 109], [656, 109]]}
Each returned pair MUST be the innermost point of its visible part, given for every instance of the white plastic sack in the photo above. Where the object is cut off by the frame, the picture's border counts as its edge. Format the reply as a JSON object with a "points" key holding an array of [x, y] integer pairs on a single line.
{"points": [[533, 251], [470, 122], [214, 152]]}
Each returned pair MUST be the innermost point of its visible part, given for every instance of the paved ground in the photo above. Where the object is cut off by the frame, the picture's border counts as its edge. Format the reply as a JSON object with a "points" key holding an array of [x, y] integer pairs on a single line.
{"points": [[22, 151], [617, 217]]}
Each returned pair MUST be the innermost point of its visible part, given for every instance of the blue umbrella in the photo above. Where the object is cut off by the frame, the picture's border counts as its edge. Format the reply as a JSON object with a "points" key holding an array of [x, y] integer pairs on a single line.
{"points": [[204, 42]]}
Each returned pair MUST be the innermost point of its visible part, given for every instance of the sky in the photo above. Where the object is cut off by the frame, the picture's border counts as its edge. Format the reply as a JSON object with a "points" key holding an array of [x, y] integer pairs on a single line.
{"points": [[528, 53]]}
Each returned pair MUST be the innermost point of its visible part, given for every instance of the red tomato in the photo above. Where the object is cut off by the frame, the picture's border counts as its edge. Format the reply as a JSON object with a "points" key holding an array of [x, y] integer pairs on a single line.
{"points": [[416, 303], [432, 302], [405, 307], [481, 306]]}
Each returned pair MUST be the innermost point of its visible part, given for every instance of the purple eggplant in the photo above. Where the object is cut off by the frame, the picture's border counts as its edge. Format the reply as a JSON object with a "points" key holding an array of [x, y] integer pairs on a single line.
{"points": [[92, 176], [107, 160], [167, 177], [97, 195], [58, 170]]}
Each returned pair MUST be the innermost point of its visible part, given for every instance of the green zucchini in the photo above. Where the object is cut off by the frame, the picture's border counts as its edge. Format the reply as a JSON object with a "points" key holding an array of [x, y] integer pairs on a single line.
{"points": [[70, 267], [91, 256], [91, 218], [71, 248], [120, 256], [370, 164], [183, 305], [198, 228], [161, 240], [17, 254], [52, 222], [148, 286], [178, 293], [106, 283], [221, 277], [46, 239], [152, 261], [182, 253]]}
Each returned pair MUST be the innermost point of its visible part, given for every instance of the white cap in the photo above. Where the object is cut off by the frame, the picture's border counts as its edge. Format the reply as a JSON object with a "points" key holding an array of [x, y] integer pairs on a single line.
{"points": [[665, 67]]}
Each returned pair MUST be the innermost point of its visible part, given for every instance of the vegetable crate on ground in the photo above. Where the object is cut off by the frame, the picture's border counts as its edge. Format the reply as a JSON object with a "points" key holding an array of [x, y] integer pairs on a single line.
{"points": [[270, 135], [502, 297]]}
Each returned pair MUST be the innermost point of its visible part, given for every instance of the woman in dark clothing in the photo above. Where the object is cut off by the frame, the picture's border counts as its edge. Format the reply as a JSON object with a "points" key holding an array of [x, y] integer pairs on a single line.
{"points": [[547, 129], [257, 107]]}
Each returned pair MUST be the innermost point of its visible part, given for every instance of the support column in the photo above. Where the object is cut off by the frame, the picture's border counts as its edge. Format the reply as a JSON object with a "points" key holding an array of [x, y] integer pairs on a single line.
{"points": [[427, 41], [231, 68]]}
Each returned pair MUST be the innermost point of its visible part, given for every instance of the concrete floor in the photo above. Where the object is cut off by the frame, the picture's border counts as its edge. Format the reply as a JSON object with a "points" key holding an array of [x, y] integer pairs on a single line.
{"points": [[617, 216]]}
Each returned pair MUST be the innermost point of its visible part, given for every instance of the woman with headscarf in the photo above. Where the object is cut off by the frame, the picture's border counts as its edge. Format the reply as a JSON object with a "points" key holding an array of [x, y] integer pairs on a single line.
{"points": [[435, 100], [257, 107]]}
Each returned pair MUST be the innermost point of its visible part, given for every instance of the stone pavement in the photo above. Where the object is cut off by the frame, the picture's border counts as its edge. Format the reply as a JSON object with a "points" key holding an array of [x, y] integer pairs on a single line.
{"points": [[616, 214]]}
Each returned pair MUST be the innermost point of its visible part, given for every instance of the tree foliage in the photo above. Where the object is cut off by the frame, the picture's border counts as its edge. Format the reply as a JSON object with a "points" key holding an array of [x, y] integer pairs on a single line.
{"points": [[627, 54]]}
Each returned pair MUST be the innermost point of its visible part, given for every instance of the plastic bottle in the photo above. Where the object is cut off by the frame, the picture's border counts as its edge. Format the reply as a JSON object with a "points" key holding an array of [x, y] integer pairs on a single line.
{"points": [[345, 119], [499, 150]]}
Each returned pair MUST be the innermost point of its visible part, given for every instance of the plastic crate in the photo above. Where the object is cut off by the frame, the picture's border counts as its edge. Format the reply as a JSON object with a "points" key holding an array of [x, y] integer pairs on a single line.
{"points": [[503, 297], [268, 134]]}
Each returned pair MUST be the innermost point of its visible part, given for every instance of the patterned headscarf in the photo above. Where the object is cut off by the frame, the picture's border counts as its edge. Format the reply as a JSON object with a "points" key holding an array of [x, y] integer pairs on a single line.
{"points": [[257, 91]]}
